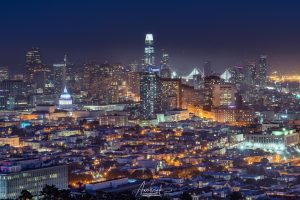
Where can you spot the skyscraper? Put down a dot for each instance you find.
(14, 94)
(207, 68)
(237, 76)
(150, 91)
(88, 74)
(41, 78)
(198, 81)
(262, 70)
(37, 74)
(33, 63)
(134, 84)
(250, 74)
(59, 76)
(165, 60)
(149, 58)
(209, 83)
(223, 95)
(171, 94)
(4, 73)
(165, 68)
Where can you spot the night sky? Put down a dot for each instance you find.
(226, 32)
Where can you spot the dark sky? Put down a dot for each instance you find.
(229, 32)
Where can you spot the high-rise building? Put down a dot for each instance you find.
(171, 94)
(116, 81)
(119, 84)
(198, 81)
(223, 95)
(19, 77)
(191, 96)
(237, 76)
(33, 63)
(14, 94)
(250, 74)
(4, 73)
(37, 74)
(209, 83)
(150, 91)
(41, 79)
(59, 76)
(149, 58)
(207, 68)
(105, 69)
(134, 67)
(165, 72)
(134, 84)
(90, 73)
(262, 69)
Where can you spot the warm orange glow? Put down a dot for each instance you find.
(199, 112)
(275, 158)
(28, 116)
(286, 78)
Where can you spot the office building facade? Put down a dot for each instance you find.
(13, 180)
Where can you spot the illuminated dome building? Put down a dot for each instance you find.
(65, 100)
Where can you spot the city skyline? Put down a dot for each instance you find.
(227, 34)
(164, 100)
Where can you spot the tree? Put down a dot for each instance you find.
(142, 174)
(185, 196)
(79, 141)
(236, 196)
(187, 172)
(98, 141)
(82, 122)
(64, 194)
(264, 161)
(50, 192)
(86, 196)
(239, 163)
(257, 170)
(116, 173)
(25, 195)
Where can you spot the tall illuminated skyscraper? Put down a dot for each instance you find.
(59, 76)
(209, 82)
(165, 71)
(37, 74)
(250, 73)
(171, 94)
(262, 70)
(33, 63)
(165, 60)
(149, 58)
(150, 93)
